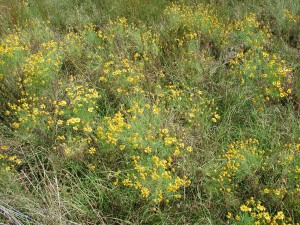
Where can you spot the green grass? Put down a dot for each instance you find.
(149, 112)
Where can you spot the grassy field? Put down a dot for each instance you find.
(150, 112)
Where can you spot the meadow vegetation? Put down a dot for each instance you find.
(150, 112)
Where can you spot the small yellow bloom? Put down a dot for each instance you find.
(229, 215)
(60, 137)
(147, 149)
(92, 167)
(67, 151)
(4, 147)
(15, 125)
(156, 110)
(164, 131)
(280, 215)
(62, 103)
(153, 209)
(103, 78)
(277, 192)
(189, 149)
(237, 218)
(116, 182)
(192, 115)
(145, 192)
(245, 208)
(261, 208)
(127, 182)
(88, 128)
(92, 150)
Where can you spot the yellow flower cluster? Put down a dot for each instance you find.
(63, 109)
(112, 129)
(156, 181)
(246, 164)
(151, 149)
(188, 103)
(254, 211)
(198, 21)
(62, 105)
(249, 31)
(74, 118)
(124, 73)
(7, 160)
(270, 77)
(267, 73)
(13, 46)
(41, 68)
(67, 120)
(290, 16)
(236, 156)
